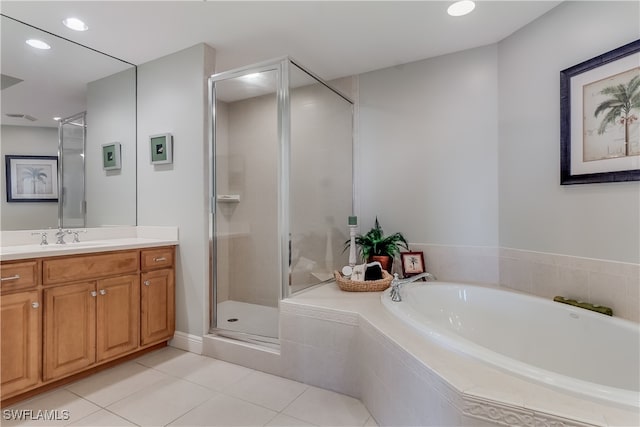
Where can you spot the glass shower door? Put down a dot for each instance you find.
(71, 206)
(247, 256)
(320, 181)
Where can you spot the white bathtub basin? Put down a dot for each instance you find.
(573, 349)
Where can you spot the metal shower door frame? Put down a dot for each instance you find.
(280, 65)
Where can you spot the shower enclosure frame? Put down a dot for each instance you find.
(61, 123)
(281, 67)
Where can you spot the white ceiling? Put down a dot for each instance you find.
(331, 38)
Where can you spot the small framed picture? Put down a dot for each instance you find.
(161, 148)
(111, 156)
(412, 263)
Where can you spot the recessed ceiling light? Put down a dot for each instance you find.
(75, 24)
(461, 8)
(57, 119)
(38, 44)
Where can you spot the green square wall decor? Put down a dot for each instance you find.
(111, 156)
(161, 148)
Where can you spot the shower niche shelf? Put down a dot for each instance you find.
(228, 198)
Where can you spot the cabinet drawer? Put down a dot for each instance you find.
(19, 275)
(60, 270)
(152, 259)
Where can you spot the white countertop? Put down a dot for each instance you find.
(19, 244)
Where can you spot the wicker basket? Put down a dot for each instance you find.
(366, 286)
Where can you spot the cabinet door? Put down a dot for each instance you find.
(157, 306)
(69, 329)
(117, 316)
(20, 342)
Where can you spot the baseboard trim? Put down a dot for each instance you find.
(187, 342)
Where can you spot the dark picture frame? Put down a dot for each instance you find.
(31, 178)
(590, 147)
(412, 263)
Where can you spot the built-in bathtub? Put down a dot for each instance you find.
(575, 350)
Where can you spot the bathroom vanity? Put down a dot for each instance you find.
(68, 310)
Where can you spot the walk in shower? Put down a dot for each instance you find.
(281, 191)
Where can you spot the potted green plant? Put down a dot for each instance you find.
(375, 246)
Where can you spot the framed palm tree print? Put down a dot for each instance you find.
(599, 118)
(412, 263)
(31, 178)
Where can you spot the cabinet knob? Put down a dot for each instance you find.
(160, 259)
(147, 282)
(14, 277)
(94, 293)
(35, 304)
(103, 292)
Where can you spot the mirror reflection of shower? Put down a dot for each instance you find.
(72, 132)
(282, 192)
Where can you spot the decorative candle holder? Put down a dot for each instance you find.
(353, 225)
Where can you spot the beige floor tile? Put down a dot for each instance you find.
(107, 387)
(206, 371)
(326, 408)
(161, 402)
(371, 422)
(286, 421)
(226, 411)
(102, 418)
(266, 390)
(62, 407)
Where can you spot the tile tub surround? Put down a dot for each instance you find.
(348, 342)
(603, 282)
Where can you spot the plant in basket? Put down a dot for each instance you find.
(375, 246)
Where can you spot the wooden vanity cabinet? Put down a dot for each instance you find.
(20, 320)
(89, 322)
(157, 295)
(117, 316)
(69, 329)
(64, 316)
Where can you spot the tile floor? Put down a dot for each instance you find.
(171, 387)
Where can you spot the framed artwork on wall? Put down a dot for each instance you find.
(600, 118)
(31, 178)
(412, 263)
(161, 148)
(111, 156)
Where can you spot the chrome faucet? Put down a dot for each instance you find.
(60, 236)
(397, 283)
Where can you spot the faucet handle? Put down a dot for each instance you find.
(43, 236)
(76, 238)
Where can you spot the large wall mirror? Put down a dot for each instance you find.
(93, 97)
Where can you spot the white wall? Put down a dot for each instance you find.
(172, 97)
(111, 117)
(536, 212)
(428, 140)
(34, 141)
